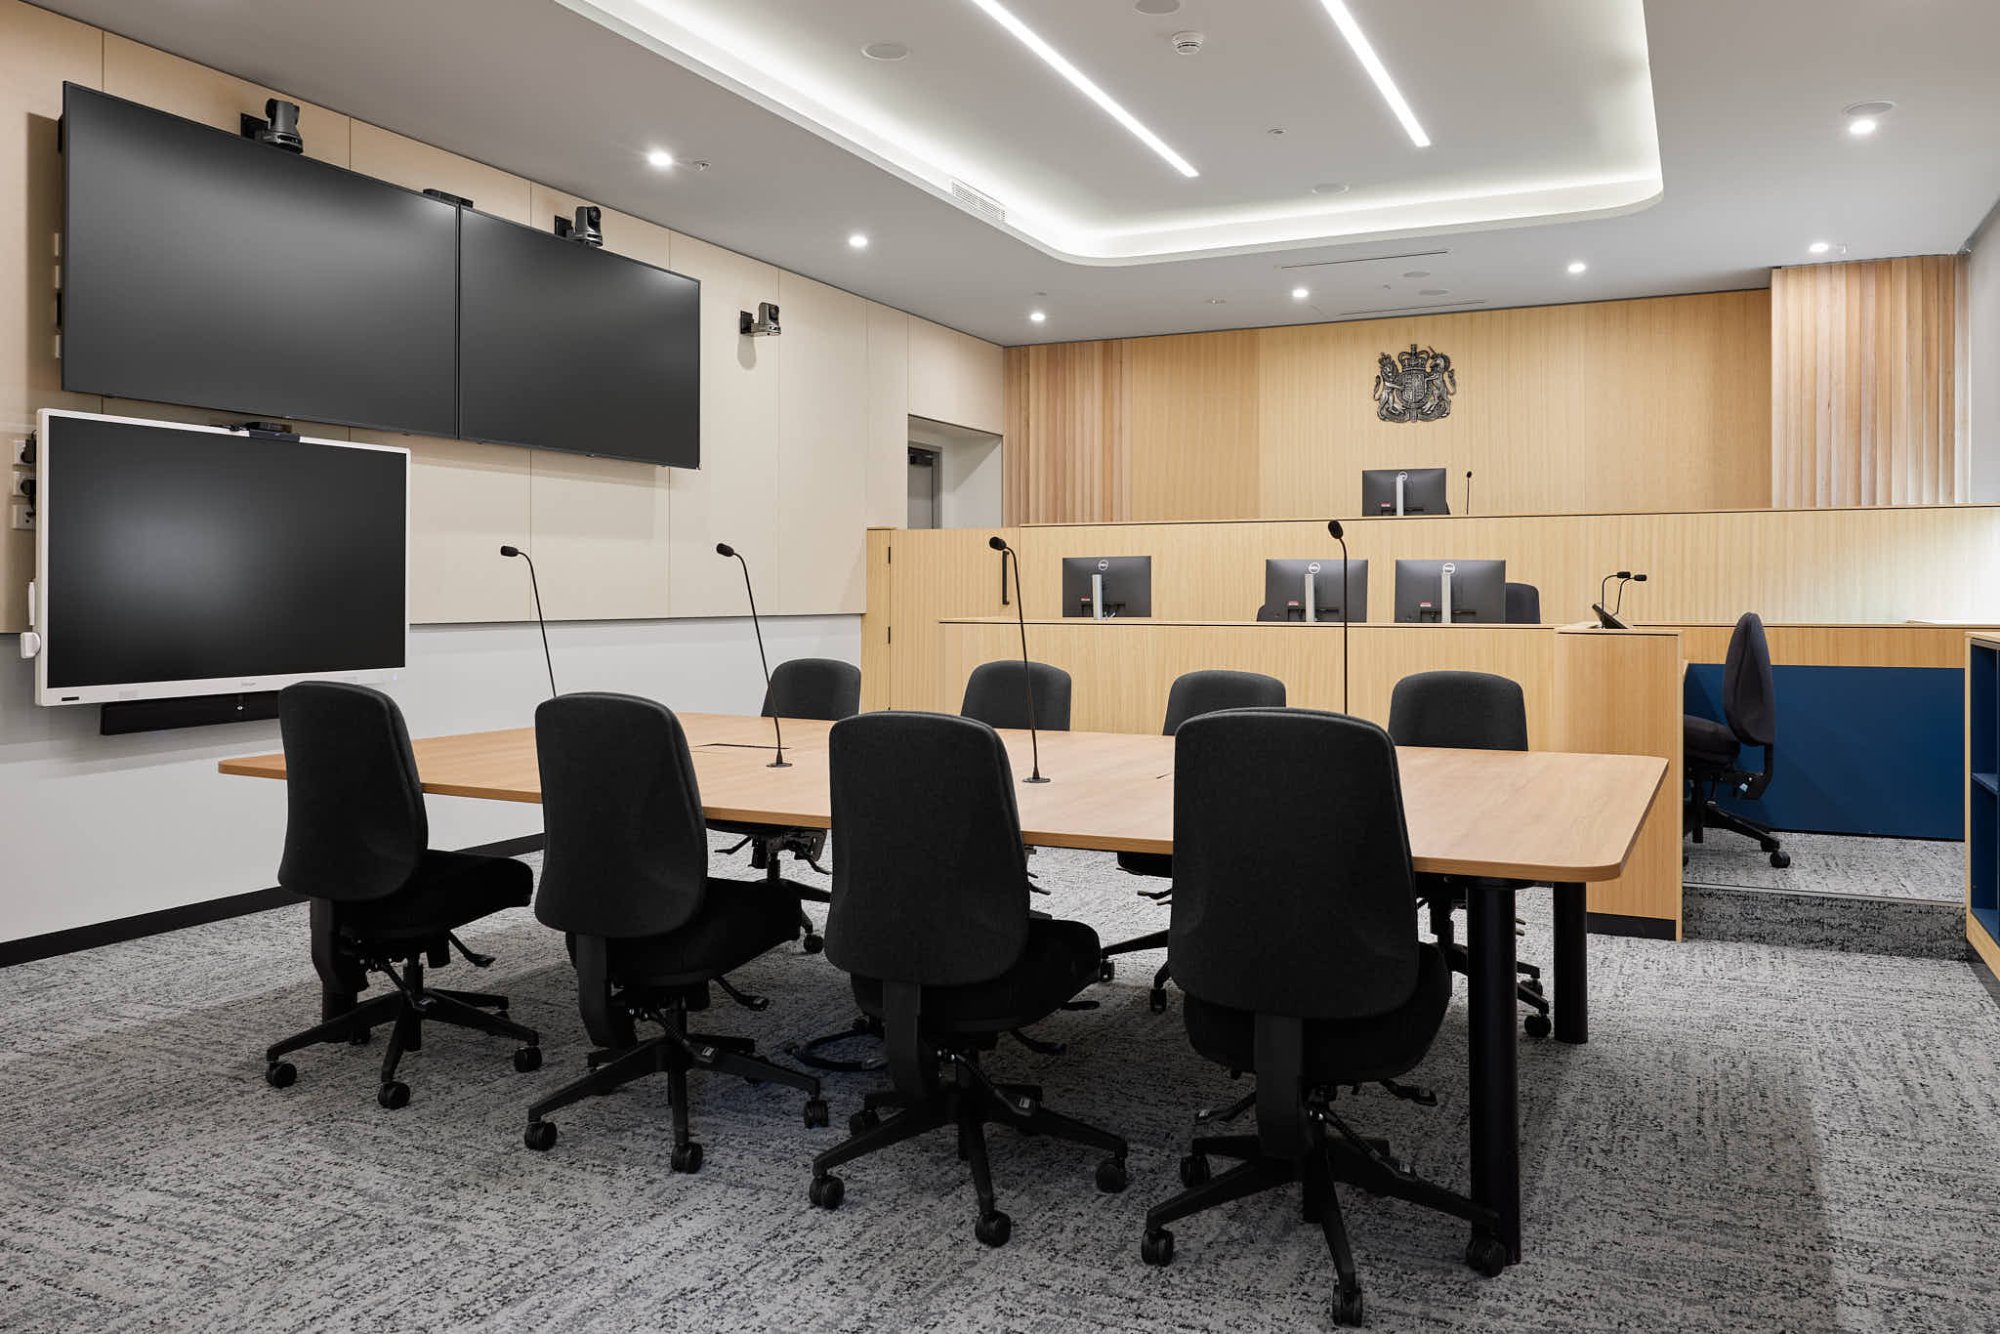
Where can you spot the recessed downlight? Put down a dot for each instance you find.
(1819, 247)
(885, 51)
(1301, 293)
(1418, 273)
(1434, 291)
(1332, 188)
(661, 158)
(1157, 6)
(1863, 126)
(1868, 109)
(1577, 266)
(1037, 316)
(858, 241)
(1217, 301)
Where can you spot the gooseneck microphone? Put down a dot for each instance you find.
(535, 584)
(1468, 490)
(1608, 620)
(1628, 579)
(724, 550)
(999, 544)
(1335, 531)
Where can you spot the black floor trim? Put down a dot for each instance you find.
(1618, 924)
(75, 938)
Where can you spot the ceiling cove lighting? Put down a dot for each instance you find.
(1056, 61)
(1364, 51)
(660, 158)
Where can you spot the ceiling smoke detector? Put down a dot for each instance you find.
(1187, 43)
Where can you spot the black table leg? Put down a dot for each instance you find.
(1572, 971)
(1495, 1110)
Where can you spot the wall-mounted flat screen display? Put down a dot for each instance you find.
(567, 346)
(191, 560)
(204, 268)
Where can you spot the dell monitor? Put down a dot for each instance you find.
(1396, 492)
(1461, 592)
(177, 560)
(1310, 590)
(1106, 586)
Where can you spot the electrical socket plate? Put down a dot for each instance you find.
(21, 459)
(24, 518)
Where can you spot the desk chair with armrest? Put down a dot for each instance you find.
(1304, 971)
(997, 694)
(1713, 752)
(822, 688)
(1193, 694)
(1465, 711)
(625, 878)
(930, 919)
(356, 840)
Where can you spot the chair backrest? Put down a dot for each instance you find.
(930, 882)
(997, 694)
(1524, 604)
(1196, 693)
(1747, 698)
(355, 826)
(1272, 611)
(814, 688)
(1460, 710)
(1258, 927)
(627, 848)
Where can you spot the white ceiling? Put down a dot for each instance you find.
(1748, 101)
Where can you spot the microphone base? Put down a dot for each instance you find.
(779, 764)
(1036, 778)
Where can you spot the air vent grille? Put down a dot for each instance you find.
(985, 205)
(1362, 259)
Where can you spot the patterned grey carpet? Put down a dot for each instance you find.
(1886, 868)
(1757, 1138)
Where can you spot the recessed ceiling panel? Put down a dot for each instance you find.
(1071, 116)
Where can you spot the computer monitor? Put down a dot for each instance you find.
(1102, 586)
(1309, 590)
(1478, 591)
(1422, 491)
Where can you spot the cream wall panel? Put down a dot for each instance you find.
(733, 496)
(955, 378)
(1194, 433)
(635, 238)
(601, 536)
(821, 484)
(391, 157)
(38, 51)
(888, 443)
(143, 74)
(466, 500)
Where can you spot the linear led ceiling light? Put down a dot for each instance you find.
(1364, 52)
(1056, 61)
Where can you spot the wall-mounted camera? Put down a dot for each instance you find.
(588, 229)
(764, 324)
(279, 128)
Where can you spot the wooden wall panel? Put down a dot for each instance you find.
(821, 487)
(955, 378)
(1867, 399)
(888, 444)
(1658, 404)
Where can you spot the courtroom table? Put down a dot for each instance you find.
(1529, 816)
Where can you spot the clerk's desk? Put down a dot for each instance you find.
(1564, 819)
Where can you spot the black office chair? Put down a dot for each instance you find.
(821, 688)
(1712, 752)
(924, 803)
(356, 841)
(625, 877)
(1306, 971)
(1524, 604)
(997, 694)
(1193, 694)
(1465, 711)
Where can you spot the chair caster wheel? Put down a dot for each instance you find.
(994, 1228)
(863, 1121)
(1347, 1308)
(1486, 1254)
(1106, 970)
(1538, 1025)
(281, 1074)
(528, 1058)
(827, 1191)
(1157, 1248)
(1781, 860)
(813, 944)
(1194, 1170)
(1158, 1001)
(685, 1157)
(815, 1113)
(359, 1037)
(541, 1136)
(393, 1094)
(1111, 1176)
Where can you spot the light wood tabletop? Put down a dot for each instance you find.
(1521, 815)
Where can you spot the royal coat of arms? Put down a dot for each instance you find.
(1419, 390)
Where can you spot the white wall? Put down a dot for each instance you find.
(97, 828)
(1983, 357)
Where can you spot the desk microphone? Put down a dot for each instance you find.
(1632, 579)
(1468, 490)
(724, 550)
(1334, 530)
(535, 584)
(1608, 620)
(999, 544)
